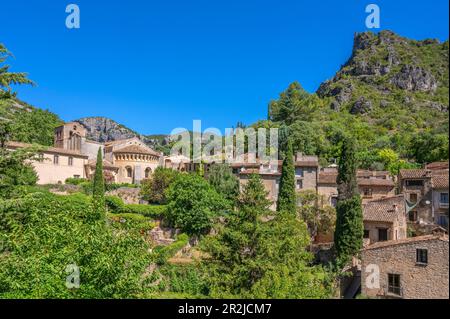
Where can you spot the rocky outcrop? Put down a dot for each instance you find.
(414, 78)
(385, 63)
(102, 129)
(361, 106)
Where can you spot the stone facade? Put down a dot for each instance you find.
(412, 268)
(73, 156)
(384, 220)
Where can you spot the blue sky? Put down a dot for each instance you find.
(157, 65)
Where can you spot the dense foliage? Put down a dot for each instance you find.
(153, 189)
(221, 177)
(286, 196)
(348, 237)
(43, 234)
(254, 257)
(192, 204)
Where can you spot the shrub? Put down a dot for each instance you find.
(153, 211)
(75, 181)
(114, 203)
(163, 253)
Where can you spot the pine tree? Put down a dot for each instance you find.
(98, 186)
(286, 195)
(348, 236)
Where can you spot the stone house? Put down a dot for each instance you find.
(410, 268)
(372, 185)
(55, 165)
(426, 191)
(74, 156)
(384, 220)
(306, 173)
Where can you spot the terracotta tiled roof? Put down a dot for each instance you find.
(383, 210)
(106, 164)
(306, 164)
(414, 173)
(406, 241)
(109, 143)
(327, 178)
(437, 165)
(375, 182)
(51, 150)
(439, 181)
(256, 171)
(136, 149)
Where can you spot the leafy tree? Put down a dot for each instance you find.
(286, 195)
(221, 177)
(43, 234)
(428, 147)
(15, 169)
(192, 204)
(392, 162)
(153, 189)
(319, 219)
(7, 78)
(255, 256)
(348, 236)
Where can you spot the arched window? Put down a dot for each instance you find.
(70, 161)
(148, 172)
(56, 159)
(129, 171)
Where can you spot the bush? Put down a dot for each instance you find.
(153, 211)
(163, 253)
(114, 203)
(75, 181)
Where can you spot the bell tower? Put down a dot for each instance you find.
(69, 136)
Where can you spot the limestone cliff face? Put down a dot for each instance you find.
(383, 65)
(102, 129)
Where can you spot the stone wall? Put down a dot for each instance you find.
(417, 281)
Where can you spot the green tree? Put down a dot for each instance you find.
(348, 237)
(15, 168)
(428, 147)
(286, 195)
(258, 256)
(98, 187)
(319, 219)
(192, 204)
(153, 189)
(7, 78)
(221, 177)
(43, 234)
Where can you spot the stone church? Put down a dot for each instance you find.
(74, 156)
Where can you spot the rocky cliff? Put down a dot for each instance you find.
(384, 67)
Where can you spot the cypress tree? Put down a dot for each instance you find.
(286, 194)
(348, 236)
(98, 186)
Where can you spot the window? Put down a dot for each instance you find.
(422, 256)
(70, 161)
(76, 176)
(299, 171)
(366, 233)
(394, 284)
(129, 171)
(299, 184)
(412, 216)
(56, 159)
(334, 201)
(443, 198)
(382, 234)
(148, 171)
(367, 192)
(413, 198)
(414, 182)
(41, 156)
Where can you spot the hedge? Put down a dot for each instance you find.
(163, 253)
(116, 205)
